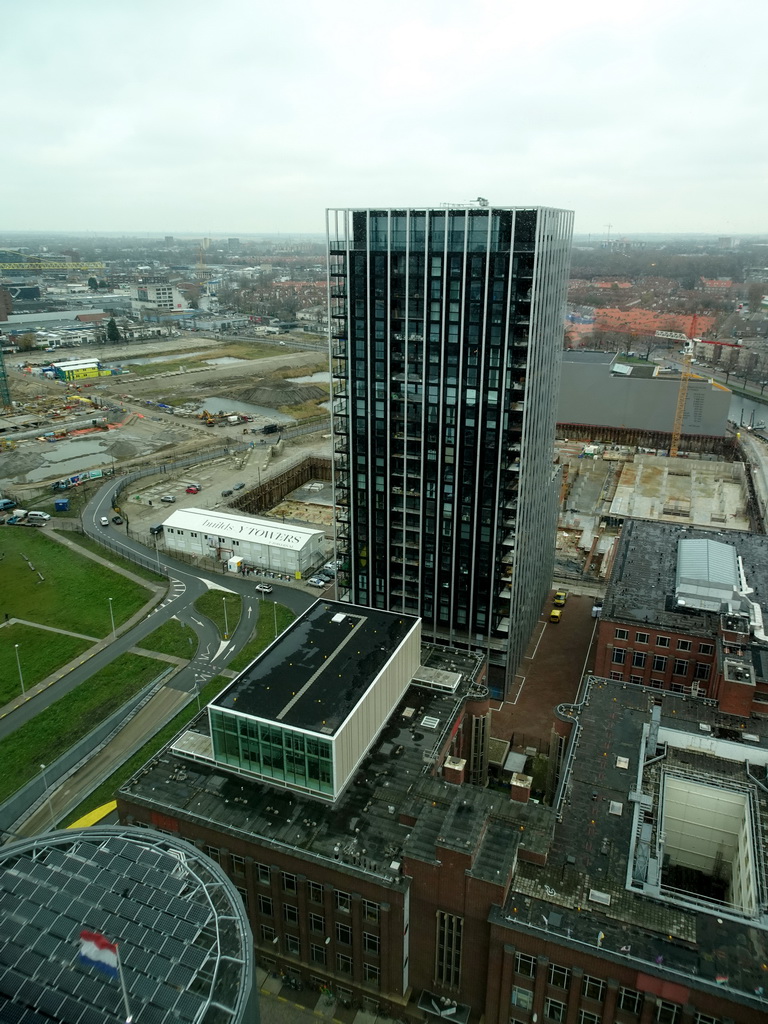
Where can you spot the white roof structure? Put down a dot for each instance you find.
(76, 364)
(707, 574)
(238, 527)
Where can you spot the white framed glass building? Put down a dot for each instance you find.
(446, 339)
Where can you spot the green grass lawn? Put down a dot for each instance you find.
(106, 791)
(56, 729)
(211, 604)
(40, 653)
(123, 563)
(263, 634)
(173, 637)
(75, 593)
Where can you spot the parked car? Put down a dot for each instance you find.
(14, 520)
(193, 489)
(168, 499)
(315, 581)
(263, 588)
(117, 520)
(238, 487)
(226, 494)
(154, 530)
(104, 521)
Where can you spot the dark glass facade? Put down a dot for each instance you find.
(446, 336)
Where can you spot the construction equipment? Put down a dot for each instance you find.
(685, 376)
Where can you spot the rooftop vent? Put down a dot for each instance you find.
(616, 808)
(600, 897)
(429, 722)
(622, 762)
(703, 727)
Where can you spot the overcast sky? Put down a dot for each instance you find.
(241, 116)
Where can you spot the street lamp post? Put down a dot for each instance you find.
(21, 677)
(226, 625)
(112, 617)
(157, 553)
(48, 796)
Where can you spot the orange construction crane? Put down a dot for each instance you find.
(682, 394)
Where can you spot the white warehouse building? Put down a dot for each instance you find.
(262, 543)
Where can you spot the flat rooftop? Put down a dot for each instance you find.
(241, 527)
(317, 671)
(582, 891)
(642, 586)
(685, 491)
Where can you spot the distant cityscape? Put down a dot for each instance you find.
(449, 538)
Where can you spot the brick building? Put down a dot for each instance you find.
(411, 886)
(684, 611)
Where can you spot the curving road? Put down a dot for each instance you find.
(211, 656)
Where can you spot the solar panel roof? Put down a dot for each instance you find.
(158, 898)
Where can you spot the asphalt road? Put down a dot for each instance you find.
(211, 656)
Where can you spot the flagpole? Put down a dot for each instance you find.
(128, 1014)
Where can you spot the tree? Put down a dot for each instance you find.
(93, 284)
(27, 342)
(755, 294)
(113, 334)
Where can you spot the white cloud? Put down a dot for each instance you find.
(245, 116)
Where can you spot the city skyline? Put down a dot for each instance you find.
(177, 119)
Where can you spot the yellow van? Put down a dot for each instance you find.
(554, 615)
(560, 598)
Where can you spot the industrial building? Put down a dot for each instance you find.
(258, 543)
(600, 390)
(446, 336)
(684, 611)
(183, 940)
(419, 891)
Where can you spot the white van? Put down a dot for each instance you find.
(38, 517)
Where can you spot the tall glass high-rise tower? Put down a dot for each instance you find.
(446, 335)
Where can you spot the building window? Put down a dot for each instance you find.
(618, 676)
(637, 680)
(701, 671)
(317, 954)
(267, 933)
(630, 1000)
(621, 634)
(238, 864)
(559, 977)
(683, 645)
(638, 659)
(343, 901)
(371, 943)
(343, 963)
(619, 656)
(592, 988)
(522, 997)
(585, 1017)
(263, 873)
(525, 965)
(292, 945)
(703, 1018)
(289, 882)
(666, 1012)
(290, 914)
(642, 638)
(314, 892)
(371, 975)
(344, 934)
(680, 668)
(659, 663)
(243, 896)
(213, 853)
(448, 949)
(265, 905)
(706, 649)
(662, 641)
(316, 923)
(554, 1010)
(370, 911)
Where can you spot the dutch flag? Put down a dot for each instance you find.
(99, 952)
